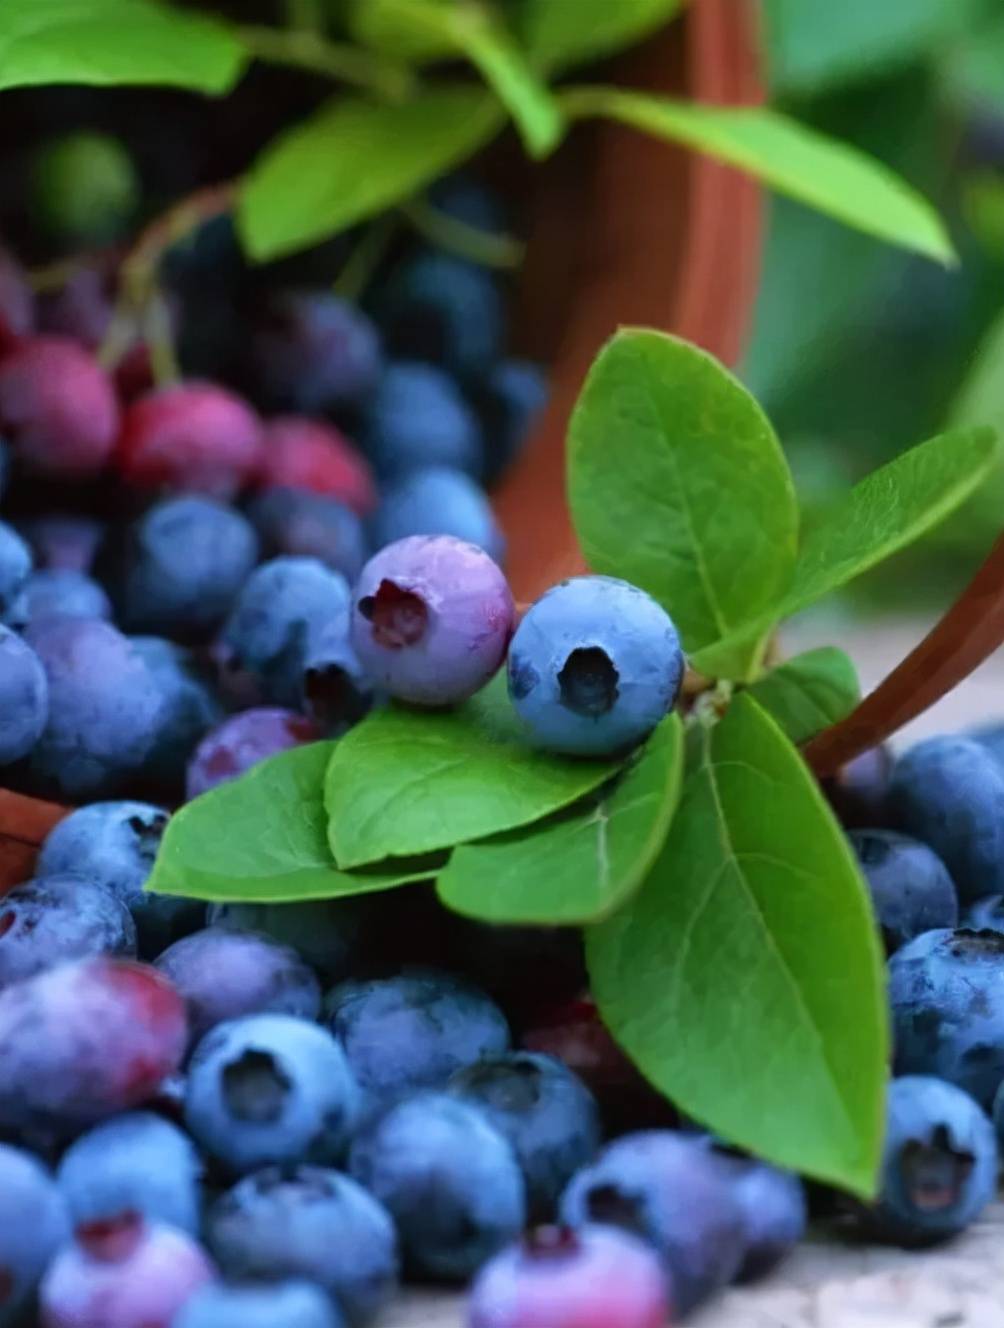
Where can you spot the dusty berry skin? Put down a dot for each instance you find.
(57, 1075)
(34, 1223)
(593, 666)
(282, 609)
(438, 500)
(122, 1274)
(510, 399)
(327, 933)
(431, 619)
(949, 793)
(64, 594)
(224, 974)
(596, 1277)
(190, 708)
(63, 542)
(15, 569)
(310, 525)
(270, 1089)
(448, 1178)
(58, 408)
(104, 709)
(53, 919)
(196, 438)
(311, 1223)
(946, 989)
(24, 697)
(17, 304)
(987, 914)
(544, 1110)
(314, 456)
(939, 1164)
(910, 886)
(418, 417)
(178, 569)
(413, 1031)
(669, 1189)
(286, 1305)
(337, 691)
(135, 1163)
(314, 352)
(240, 742)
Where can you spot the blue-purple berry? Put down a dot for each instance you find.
(294, 1304)
(419, 417)
(296, 523)
(63, 593)
(53, 919)
(190, 707)
(437, 500)
(34, 1224)
(314, 352)
(24, 697)
(328, 933)
(337, 691)
(15, 568)
(911, 889)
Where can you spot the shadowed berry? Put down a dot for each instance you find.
(510, 399)
(34, 1224)
(17, 304)
(53, 919)
(910, 886)
(418, 417)
(987, 914)
(438, 307)
(437, 500)
(313, 352)
(190, 707)
(314, 456)
(64, 594)
(859, 791)
(15, 569)
(284, 1305)
(240, 742)
(311, 525)
(62, 542)
(327, 933)
(337, 691)
(24, 697)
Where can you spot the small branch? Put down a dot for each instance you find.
(457, 237)
(304, 16)
(335, 60)
(361, 265)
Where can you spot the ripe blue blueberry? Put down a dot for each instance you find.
(511, 397)
(545, 1111)
(15, 568)
(949, 792)
(60, 592)
(296, 523)
(34, 1224)
(947, 994)
(190, 707)
(24, 697)
(413, 1031)
(310, 1223)
(669, 1189)
(431, 619)
(910, 886)
(437, 500)
(593, 667)
(284, 1305)
(135, 1163)
(595, 1277)
(986, 914)
(313, 352)
(441, 308)
(418, 417)
(224, 974)
(53, 919)
(448, 1178)
(773, 1206)
(270, 1088)
(327, 933)
(337, 691)
(242, 741)
(939, 1165)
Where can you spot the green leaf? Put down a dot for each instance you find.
(263, 838)
(558, 34)
(821, 171)
(678, 484)
(407, 781)
(580, 865)
(107, 42)
(980, 399)
(810, 692)
(745, 979)
(356, 158)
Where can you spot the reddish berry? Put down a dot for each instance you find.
(17, 313)
(306, 454)
(241, 741)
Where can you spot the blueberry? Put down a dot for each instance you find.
(595, 1277)
(65, 594)
(61, 542)
(911, 889)
(15, 568)
(593, 667)
(281, 611)
(17, 303)
(437, 500)
(314, 352)
(134, 1163)
(669, 1189)
(190, 707)
(310, 525)
(125, 1273)
(986, 914)
(413, 1031)
(448, 1178)
(316, 457)
(177, 570)
(418, 417)
(240, 742)
(284, 1305)
(949, 793)
(510, 399)
(337, 691)
(223, 974)
(103, 708)
(327, 933)
(270, 1088)
(545, 1111)
(470, 202)
(55, 918)
(947, 994)
(431, 619)
(34, 1223)
(115, 844)
(939, 1165)
(991, 736)
(441, 308)
(24, 697)
(773, 1206)
(310, 1223)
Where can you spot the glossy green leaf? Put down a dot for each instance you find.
(980, 399)
(395, 28)
(581, 864)
(746, 979)
(107, 42)
(561, 33)
(356, 158)
(810, 692)
(678, 484)
(829, 175)
(263, 838)
(409, 781)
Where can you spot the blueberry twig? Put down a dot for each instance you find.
(303, 49)
(456, 236)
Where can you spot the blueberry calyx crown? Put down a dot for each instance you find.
(935, 1173)
(588, 682)
(399, 617)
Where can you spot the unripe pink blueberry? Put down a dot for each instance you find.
(300, 453)
(240, 742)
(431, 619)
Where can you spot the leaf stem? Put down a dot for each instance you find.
(302, 49)
(304, 16)
(361, 265)
(457, 237)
